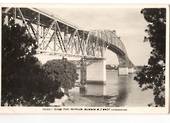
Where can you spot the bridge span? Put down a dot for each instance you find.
(59, 38)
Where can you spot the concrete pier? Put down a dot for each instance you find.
(96, 68)
(131, 70)
(123, 70)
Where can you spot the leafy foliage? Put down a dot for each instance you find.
(62, 72)
(152, 76)
(23, 80)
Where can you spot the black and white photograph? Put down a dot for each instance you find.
(85, 57)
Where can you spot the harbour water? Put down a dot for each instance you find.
(119, 91)
(126, 90)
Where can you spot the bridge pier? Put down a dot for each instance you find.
(96, 72)
(83, 72)
(95, 75)
(123, 70)
(131, 70)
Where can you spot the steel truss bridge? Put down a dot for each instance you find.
(57, 37)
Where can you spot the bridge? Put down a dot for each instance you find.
(60, 38)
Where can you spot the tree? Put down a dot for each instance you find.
(152, 76)
(62, 72)
(23, 80)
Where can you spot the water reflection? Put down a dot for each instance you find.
(123, 89)
(119, 91)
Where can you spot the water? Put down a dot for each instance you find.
(124, 90)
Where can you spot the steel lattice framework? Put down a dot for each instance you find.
(58, 37)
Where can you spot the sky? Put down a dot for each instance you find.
(128, 22)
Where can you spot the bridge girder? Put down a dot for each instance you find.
(57, 37)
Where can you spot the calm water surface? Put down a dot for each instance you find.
(125, 90)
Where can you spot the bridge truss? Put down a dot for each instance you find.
(57, 37)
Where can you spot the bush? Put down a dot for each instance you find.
(62, 72)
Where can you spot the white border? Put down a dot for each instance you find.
(153, 110)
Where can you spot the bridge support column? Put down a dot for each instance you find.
(96, 78)
(123, 70)
(83, 73)
(96, 71)
(131, 70)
